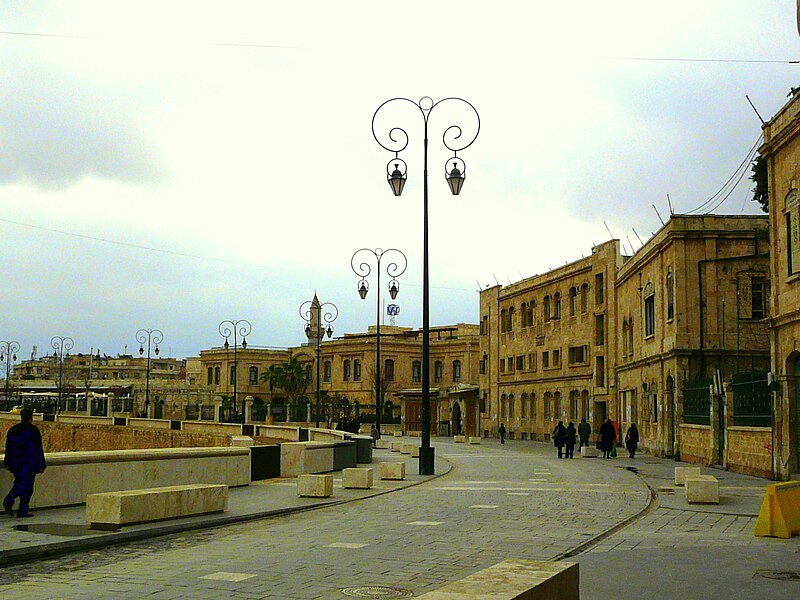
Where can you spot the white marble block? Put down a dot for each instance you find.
(407, 448)
(702, 489)
(357, 478)
(315, 486)
(474, 440)
(392, 470)
(459, 439)
(681, 473)
(589, 452)
(109, 510)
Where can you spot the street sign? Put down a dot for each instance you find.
(393, 310)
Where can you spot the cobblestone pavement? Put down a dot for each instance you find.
(498, 502)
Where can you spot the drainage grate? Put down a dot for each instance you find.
(779, 575)
(377, 591)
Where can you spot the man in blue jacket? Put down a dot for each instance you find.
(24, 457)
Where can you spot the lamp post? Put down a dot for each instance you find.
(61, 346)
(235, 328)
(152, 337)
(454, 138)
(8, 353)
(360, 263)
(314, 313)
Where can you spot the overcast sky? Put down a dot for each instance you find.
(173, 164)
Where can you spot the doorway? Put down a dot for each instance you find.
(456, 423)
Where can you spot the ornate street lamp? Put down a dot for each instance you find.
(314, 314)
(61, 346)
(152, 337)
(242, 328)
(8, 353)
(396, 266)
(395, 139)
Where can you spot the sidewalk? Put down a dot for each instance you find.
(61, 530)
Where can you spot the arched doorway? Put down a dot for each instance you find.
(794, 395)
(456, 422)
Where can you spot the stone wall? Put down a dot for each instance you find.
(695, 443)
(70, 437)
(749, 450)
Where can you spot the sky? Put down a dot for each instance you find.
(170, 165)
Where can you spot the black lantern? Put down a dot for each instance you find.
(397, 180)
(455, 179)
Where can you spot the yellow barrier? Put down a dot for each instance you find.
(780, 511)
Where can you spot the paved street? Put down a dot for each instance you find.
(497, 502)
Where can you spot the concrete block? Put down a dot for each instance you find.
(242, 441)
(357, 478)
(396, 446)
(681, 473)
(392, 470)
(474, 440)
(315, 486)
(110, 510)
(702, 489)
(382, 444)
(415, 452)
(407, 448)
(515, 580)
(459, 439)
(589, 452)
(398, 434)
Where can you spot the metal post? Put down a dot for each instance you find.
(329, 315)
(236, 328)
(8, 350)
(61, 345)
(149, 336)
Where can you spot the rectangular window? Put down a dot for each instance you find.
(532, 361)
(482, 365)
(326, 370)
(556, 358)
(520, 363)
(758, 297)
(600, 330)
(600, 371)
(485, 325)
(510, 363)
(502, 365)
(357, 370)
(456, 370)
(598, 288)
(578, 355)
(545, 359)
(437, 371)
(416, 371)
(650, 316)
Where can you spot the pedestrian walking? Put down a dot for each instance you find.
(632, 440)
(24, 457)
(570, 437)
(502, 433)
(607, 437)
(584, 432)
(559, 437)
(375, 435)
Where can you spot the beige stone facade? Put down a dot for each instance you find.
(630, 338)
(781, 149)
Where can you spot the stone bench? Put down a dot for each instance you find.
(681, 473)
(459, 439)
(392, 470)
(515, 580)
(589, 452)
(702, 489)
(396, 446)
(111, 510)
(382, 444)
(398, 434)
(315, 486)
(357, 478)
(407, 448)
(474, 440)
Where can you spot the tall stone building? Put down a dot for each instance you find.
(638, 339)
(781, 150)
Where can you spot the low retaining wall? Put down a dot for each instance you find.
(749, 450)
(71, 476)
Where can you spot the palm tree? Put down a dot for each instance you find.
(272, 375)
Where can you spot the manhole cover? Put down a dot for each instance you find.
(377, 591)
(780, 575)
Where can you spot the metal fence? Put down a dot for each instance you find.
(752, 400)
(697, 402)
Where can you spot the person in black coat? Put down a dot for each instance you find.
(584, 431)
(559, 437)
(501, 431)
(24, 457)
(570, 437)
(632, 440)
(607, 437)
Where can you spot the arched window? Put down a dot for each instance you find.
(388, 370)
(503, 403)
(416, 371)
(624, 337)
(437, 371)
(346, 370)
(216, 375)
(326, 369)
(511, 406)
(253, 376)
(573, 404)
(557, 305)
(210, 375)
(573, 301)
(456, 370)
(308, 373)
(532, 313)
(503, 317)
(584, 297)
(670, 293)
(511, 319)
(546, 305)
(556, 406)
(585, 404)
(548, 400)
(523, 406)
(356, 370)
(532, 406)
(630, 336)
(649, 310)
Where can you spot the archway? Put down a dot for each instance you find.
(456, 422)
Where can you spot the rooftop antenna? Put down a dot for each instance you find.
(748, 97)
(608, 230)
(509, 279)
(521, 276)
(672, 212)
(629, 244)
(659, 216)
(637, 236)
(479, 285)
(495, 279)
